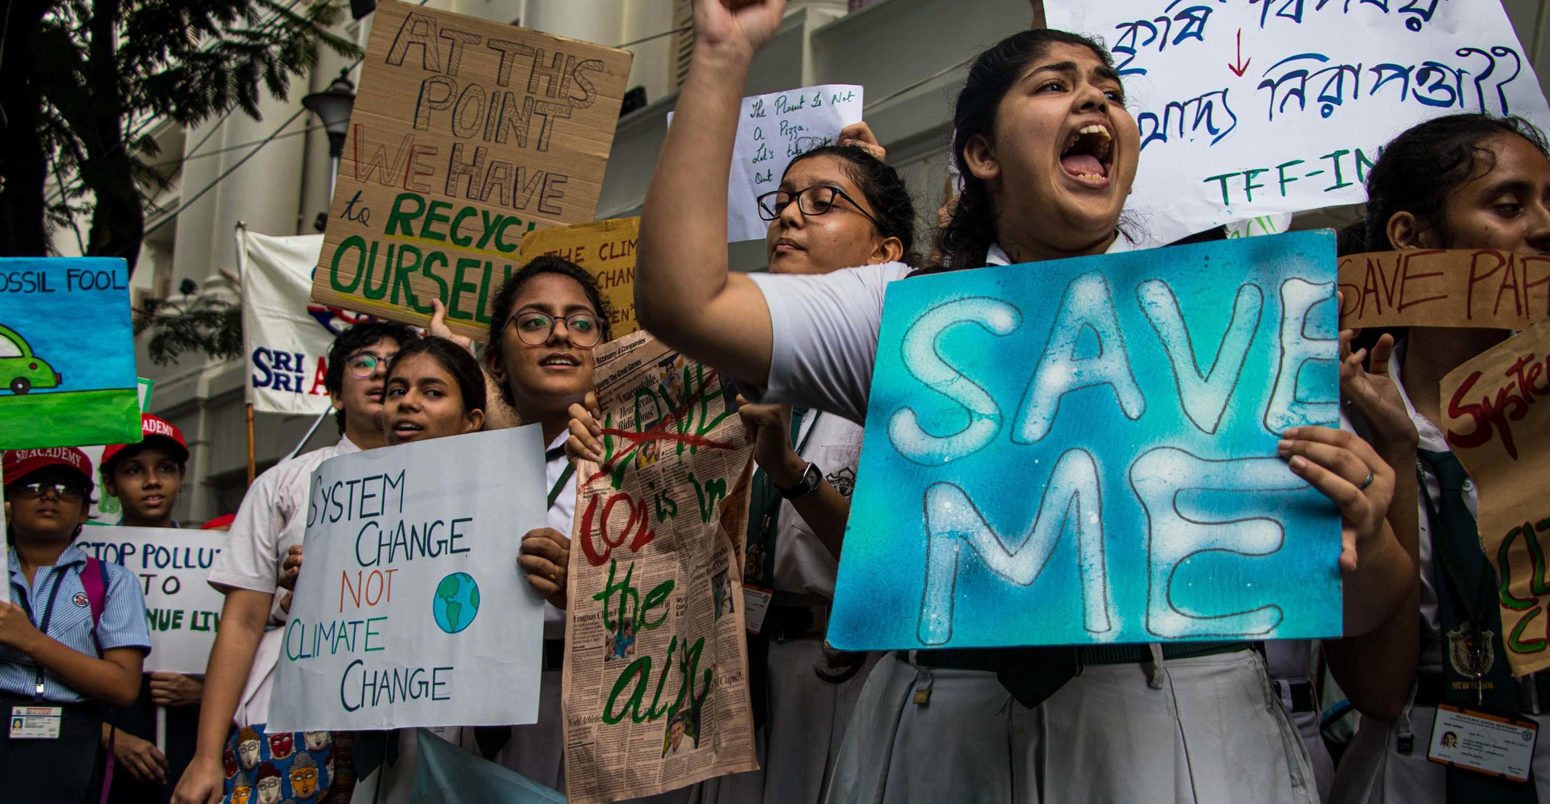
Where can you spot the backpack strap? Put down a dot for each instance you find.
(95, 580)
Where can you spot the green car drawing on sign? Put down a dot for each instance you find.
(21, 370)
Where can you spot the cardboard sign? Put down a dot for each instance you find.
(182, 609)
(607, 250)
(656, 668)
(1084, 451)
(410, 610)
(466, 135)
(772, 130)
(67, 353)
(286, 338)
(1496, 418)
(1444, 288)
(1271, 106)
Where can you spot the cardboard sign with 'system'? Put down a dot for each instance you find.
(466, 135)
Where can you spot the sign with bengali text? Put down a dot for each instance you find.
(1255, 107)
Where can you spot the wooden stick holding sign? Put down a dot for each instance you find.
(466, 135)
(1444, 288)
(1496, 418)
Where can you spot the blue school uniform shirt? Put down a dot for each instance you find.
(122, 625)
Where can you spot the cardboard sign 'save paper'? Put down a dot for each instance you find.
(466, 135)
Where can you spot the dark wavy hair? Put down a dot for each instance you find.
(354, 339)
(967, 237)
(1421, 167)
(884, 189)
(506, 297)
(454, 360)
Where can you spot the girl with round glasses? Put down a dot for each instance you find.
(1048, 153)
(544, 322)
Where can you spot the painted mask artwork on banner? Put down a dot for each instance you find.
(1090, 445)
(1496, 418)
(173, 566)
(67, 353)
(466, 134)
(410, 611)
(655, 688)
(1256, 107)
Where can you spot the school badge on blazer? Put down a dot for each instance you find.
(1471, 652)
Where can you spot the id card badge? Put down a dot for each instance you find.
(36, 722)
(1494, 745)
(756, 602)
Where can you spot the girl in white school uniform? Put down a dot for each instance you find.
(1048, 154)
(1462, 181)
(837, 206)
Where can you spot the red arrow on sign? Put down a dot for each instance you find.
(1242, 66)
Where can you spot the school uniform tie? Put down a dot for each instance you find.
(1474, 668)
(759, 569)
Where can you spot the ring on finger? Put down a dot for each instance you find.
(1367, 481)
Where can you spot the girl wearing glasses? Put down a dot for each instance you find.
(837, 206)
(544, 322)
(59, 660)
(1048, 154)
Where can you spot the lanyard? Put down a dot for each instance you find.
(554, 493)
(764, 511)
(48, 614)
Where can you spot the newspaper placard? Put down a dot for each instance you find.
(1257, 107)
(181, 607)
(656, 669)
(1496, 418)
(1483, 287)
(411, 611)
(607, 250)
(466, 135)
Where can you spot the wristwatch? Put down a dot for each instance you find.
(811, 479)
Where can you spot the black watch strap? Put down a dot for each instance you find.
(812, 477)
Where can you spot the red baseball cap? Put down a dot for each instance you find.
(153, 427)
(19, 463)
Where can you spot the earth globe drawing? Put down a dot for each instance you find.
(456, 602)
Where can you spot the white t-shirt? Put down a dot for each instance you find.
(270, 520)
(824, 333)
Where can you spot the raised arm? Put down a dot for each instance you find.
(684, 293)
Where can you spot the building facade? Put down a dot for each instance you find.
(911, 55)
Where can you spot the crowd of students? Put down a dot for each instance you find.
(1047, 153)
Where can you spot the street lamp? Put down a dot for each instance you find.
(333, 106)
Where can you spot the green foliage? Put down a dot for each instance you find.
(108, 70)
(205, 325)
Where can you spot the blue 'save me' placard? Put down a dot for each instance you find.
(1084, 451)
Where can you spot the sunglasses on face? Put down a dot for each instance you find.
(65, 492)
